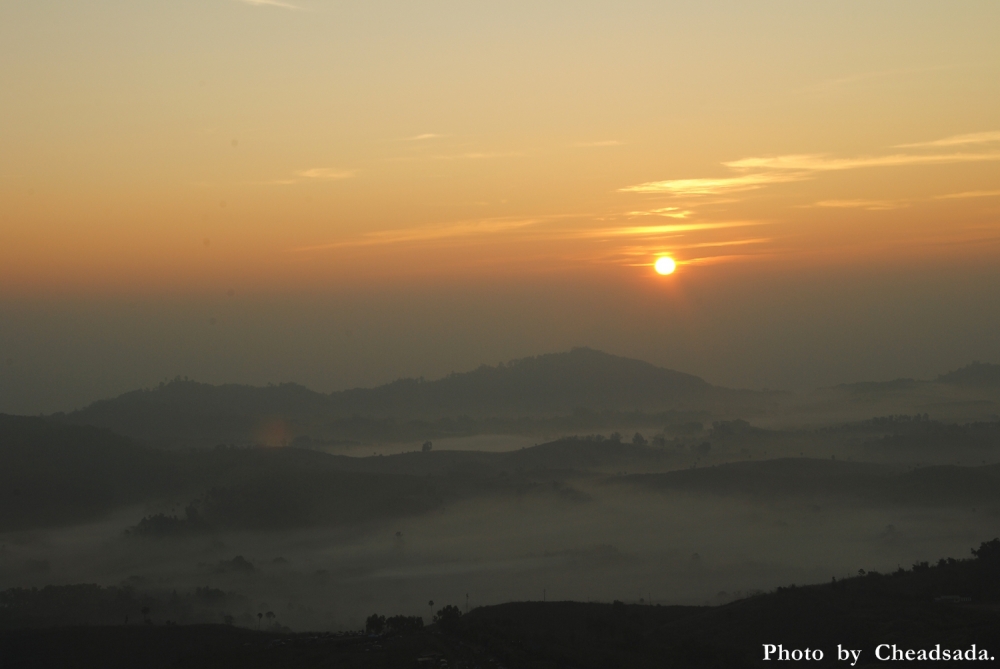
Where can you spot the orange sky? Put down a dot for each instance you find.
(171, 151)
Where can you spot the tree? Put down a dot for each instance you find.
(638, 439)
(259, 616)
(988, 551)
(448, 616)
(270, 616)
(615, 437)
(375, 624)
(427, 447)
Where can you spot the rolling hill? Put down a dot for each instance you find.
(189, 413)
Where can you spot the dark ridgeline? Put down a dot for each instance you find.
(951, 606)
(56, 474)
(53, 474)
(545, 386)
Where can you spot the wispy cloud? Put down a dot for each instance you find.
(312, 174)
(733, 242)
(870, 205)
(840, 83)
(470, 155)
(659, 230)
(713, 186)
(971, 193)
(480, 155)
(760, 171)
(423, 137)
(325, 174)
(956, 140)
(670, 212)
(464, 229)
(609, 142)
(271, 3)
(818, 162)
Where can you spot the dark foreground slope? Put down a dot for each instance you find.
(953, 606)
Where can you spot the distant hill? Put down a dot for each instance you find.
(810, 478)
(543, 386)
(556, 383)
(976, 374)
(52, 474)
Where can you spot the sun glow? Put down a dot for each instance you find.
(665, 265)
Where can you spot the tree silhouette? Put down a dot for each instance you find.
(259, 616)
(447, 616)
(427, 446)
(375, 624)
(270, 617)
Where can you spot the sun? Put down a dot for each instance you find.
(665, 265)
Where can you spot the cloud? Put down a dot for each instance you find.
(325, 174)
(471, 155)
(819, 162)
(429, 233)
(956, 140)
(840, 83)
(713, 186)
(659, 230)
(670, 212)
(425, 136)
(735, 242)
(271, 3)
(971, 193)
(870, 205)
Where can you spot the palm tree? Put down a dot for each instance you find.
(259, 616)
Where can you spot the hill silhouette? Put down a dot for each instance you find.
(815, 478)
(975, 374)
(946, 608)
(53, 474)
(557, 384)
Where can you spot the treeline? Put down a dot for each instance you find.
(88, 604)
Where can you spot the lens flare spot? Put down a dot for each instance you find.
(665, 265)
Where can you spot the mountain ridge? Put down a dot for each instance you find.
(555, 384)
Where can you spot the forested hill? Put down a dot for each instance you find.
(556, 383)
(546, 385)
(976, 374)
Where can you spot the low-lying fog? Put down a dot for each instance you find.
(485, 443)
(594, 541)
